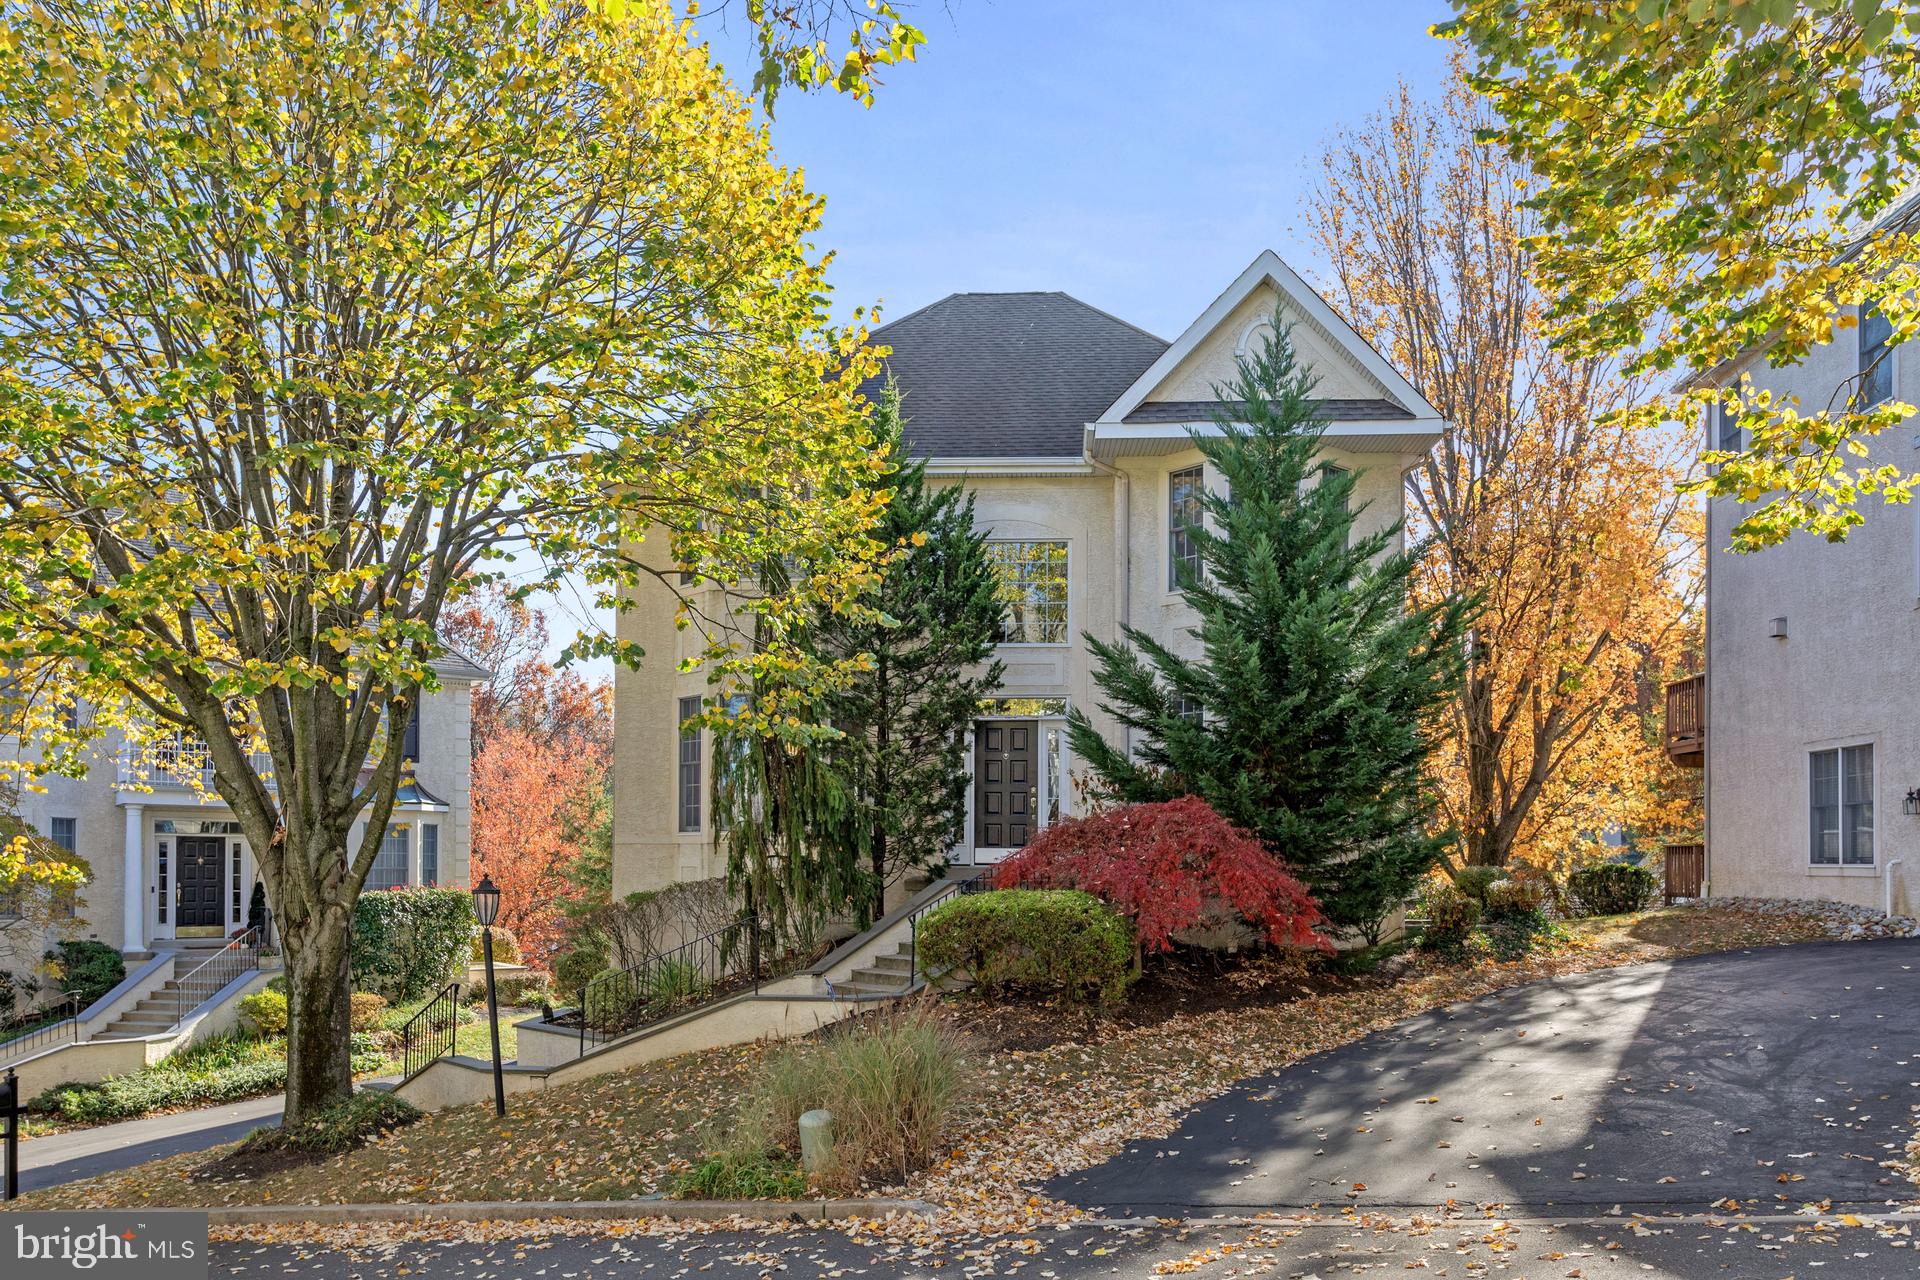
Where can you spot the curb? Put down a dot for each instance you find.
(576, 1210)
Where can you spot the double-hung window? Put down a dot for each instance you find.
(1876, 358)
(64, 832)
(689, 794)
(1840, 806)
(1183, 517)
(1032, 589)
(390, 864)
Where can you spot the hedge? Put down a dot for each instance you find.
(1612, 888)
(408, 943)
(1051, 939)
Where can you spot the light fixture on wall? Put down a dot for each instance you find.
(1911, 805)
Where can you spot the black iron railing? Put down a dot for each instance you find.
(719, 963)
(979, 882)
(210, 976)
(430, 1033)
(55, 1024)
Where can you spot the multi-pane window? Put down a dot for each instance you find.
(390, 864)
(1840, 806)
(689, 766)
(65, 833)
(429, 853)
(1188, 708)
(1033, 591)
(1727, 434)
(1876, 358)
(1183, 516)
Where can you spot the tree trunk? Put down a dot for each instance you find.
(319, 1013)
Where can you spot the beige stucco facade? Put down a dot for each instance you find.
(1110, 506)
(1840, 675)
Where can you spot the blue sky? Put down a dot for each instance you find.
(1134, 154)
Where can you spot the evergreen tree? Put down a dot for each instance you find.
(1305, 716)
(904, 720)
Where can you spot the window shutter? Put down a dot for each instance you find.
(410, 741)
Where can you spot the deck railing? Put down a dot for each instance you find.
(1687, 721)
(430, 1034)
(55, 1024)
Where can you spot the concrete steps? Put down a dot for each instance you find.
(157, 1010)
(888, 975)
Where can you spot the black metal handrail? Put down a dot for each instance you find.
(430, 1033)
(242, 955)
(979, 882)
(55, 1024)
(624, 1000)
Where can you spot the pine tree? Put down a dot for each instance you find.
(1305, 716)
(904, 720)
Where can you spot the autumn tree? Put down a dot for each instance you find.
(1302, 712)
(497, 628)
(927, 653)
(1718, 177)
(315, 313)
(1542, 500)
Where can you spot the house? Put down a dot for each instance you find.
(169, 862)
(1072, 429)
(1803, 719)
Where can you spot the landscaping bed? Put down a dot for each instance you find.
(1033, 1112)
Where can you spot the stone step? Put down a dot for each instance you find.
(857, 988)
(882, 979)
(894, 963)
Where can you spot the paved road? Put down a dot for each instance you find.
(1778, 1077)
(82, 1153)
(1689, 1250)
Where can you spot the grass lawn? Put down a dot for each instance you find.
(1037, 1107)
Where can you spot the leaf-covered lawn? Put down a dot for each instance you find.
(1032, 1113)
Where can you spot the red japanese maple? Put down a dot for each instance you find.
(1172, 866)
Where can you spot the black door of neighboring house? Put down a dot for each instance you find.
(1006, 783)
(197, 896)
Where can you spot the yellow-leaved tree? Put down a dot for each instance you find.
(314, 313)
(1560, 519)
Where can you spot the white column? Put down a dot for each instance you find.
(414, 845)
(133, 892)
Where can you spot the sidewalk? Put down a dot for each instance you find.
(82, 1153)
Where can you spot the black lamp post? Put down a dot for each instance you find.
(486, 909)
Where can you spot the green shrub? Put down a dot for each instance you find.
(1048, 939)
(1612, 888)
(673, 981)
(1452, 917)
(408, 943)
(368, 1114)
(523, 990)
(88, 967)
(265, 1012)
(588, 955)
(368, 1011)
(221, 1069)
(1508, 898)
(742, 1175)
(890, 1081)
(1476, 881)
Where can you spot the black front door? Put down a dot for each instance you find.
(1006, 787)
(197, 897)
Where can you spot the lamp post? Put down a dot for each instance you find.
(486, 909)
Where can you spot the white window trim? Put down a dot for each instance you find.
(1171, 592)
(1067, 544)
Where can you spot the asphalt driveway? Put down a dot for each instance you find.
(1778, 1077)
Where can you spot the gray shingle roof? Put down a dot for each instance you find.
(1009, 375)
(1331, 410)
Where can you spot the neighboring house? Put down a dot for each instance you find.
(169, 862)
(1804, 719)
(1072, 429)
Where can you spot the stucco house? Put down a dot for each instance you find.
(1802, 718)
(170, 865)
(1071, 427)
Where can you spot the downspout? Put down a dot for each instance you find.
(1887, 878)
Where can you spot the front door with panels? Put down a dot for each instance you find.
(1006, 786)
(199, 881)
